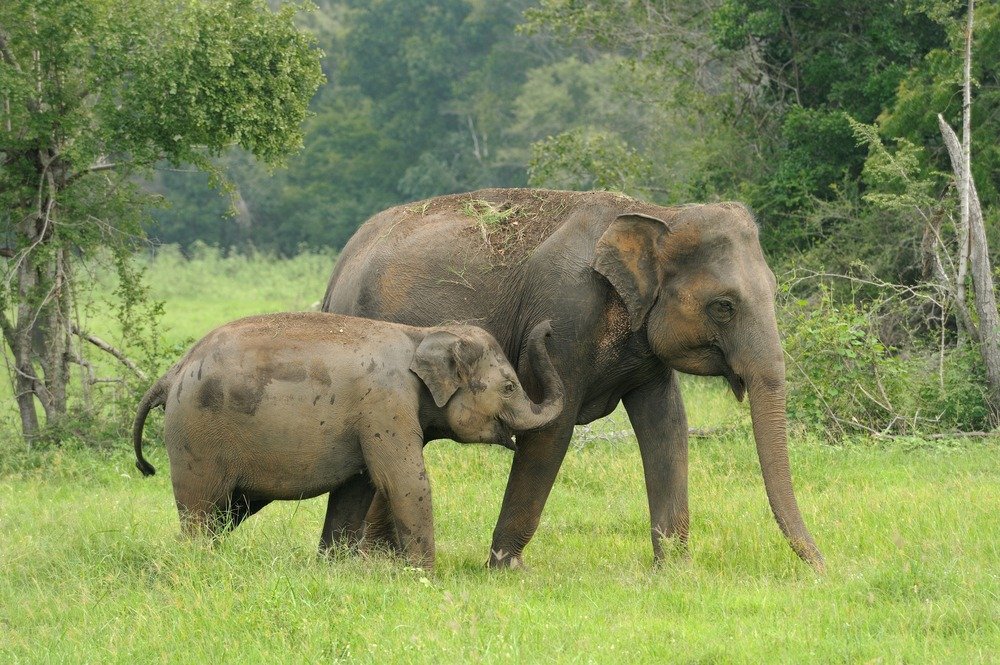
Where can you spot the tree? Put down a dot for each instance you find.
(418, 103)
(95, 91)
(954, 254)
(973, 250)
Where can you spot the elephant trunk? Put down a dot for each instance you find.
(767, 409)
(523, 414)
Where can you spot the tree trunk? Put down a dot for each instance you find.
(24, 370)
(982, 277)
(40, 334)
(972, 221)
(54, 337)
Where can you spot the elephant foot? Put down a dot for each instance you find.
(337, 550)
(672, 547)
(503, 560)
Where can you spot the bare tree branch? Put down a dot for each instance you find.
(963, 172)
(972, 216)
(75, 358)
(104, 346)
(93, 168)
(7, 328)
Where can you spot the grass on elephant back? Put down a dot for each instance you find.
(93, 568)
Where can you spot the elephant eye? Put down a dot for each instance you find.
(508, 388)
(721, 309)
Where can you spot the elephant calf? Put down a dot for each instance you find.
(291, 406)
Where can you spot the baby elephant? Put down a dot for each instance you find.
(291, 406)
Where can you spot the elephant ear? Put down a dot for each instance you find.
(443, 361)
(628, 255)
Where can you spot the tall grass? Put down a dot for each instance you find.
(198, 294)
(209, 289)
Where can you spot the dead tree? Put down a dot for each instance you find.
(973, 250)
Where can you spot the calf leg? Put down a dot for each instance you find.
(398, 472)
(345, 513)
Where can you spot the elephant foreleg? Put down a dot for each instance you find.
(400, 475)
(657, 415)
(536, 462)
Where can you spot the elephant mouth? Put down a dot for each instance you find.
(736, 382)
(505, 437)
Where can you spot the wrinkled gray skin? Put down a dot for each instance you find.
(290, 406)
(634, 291)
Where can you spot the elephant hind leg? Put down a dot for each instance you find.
(213, 517)
(240, 507)
(201, 517)
(345, 513)
(203, 507)
(380, 532)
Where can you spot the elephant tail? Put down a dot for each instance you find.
(155, 396)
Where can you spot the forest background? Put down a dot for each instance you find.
(824, 117)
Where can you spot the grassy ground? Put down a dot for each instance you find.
(93, 570)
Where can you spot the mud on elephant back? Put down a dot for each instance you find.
(635, 292)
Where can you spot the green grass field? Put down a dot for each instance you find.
(93, 569)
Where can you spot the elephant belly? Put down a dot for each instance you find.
(302, 454)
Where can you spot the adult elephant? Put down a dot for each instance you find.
(634, 291)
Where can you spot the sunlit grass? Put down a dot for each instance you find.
(197, 295)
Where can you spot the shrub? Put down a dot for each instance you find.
(844, 378)
(840, 376)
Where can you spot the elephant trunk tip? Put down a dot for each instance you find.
(540, 332)
(529, 415)
(808, 552)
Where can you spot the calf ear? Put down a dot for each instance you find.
(628, 255)
(442, 362)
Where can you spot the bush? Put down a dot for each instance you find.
(839, 375)
(844, 378)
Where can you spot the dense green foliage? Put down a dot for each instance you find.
(671, 101)
(821, 115)
(843, 379)
(418, 99)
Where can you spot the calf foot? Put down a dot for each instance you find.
(503, 560)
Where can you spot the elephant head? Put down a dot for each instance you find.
(473, 383)
(697, 284)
